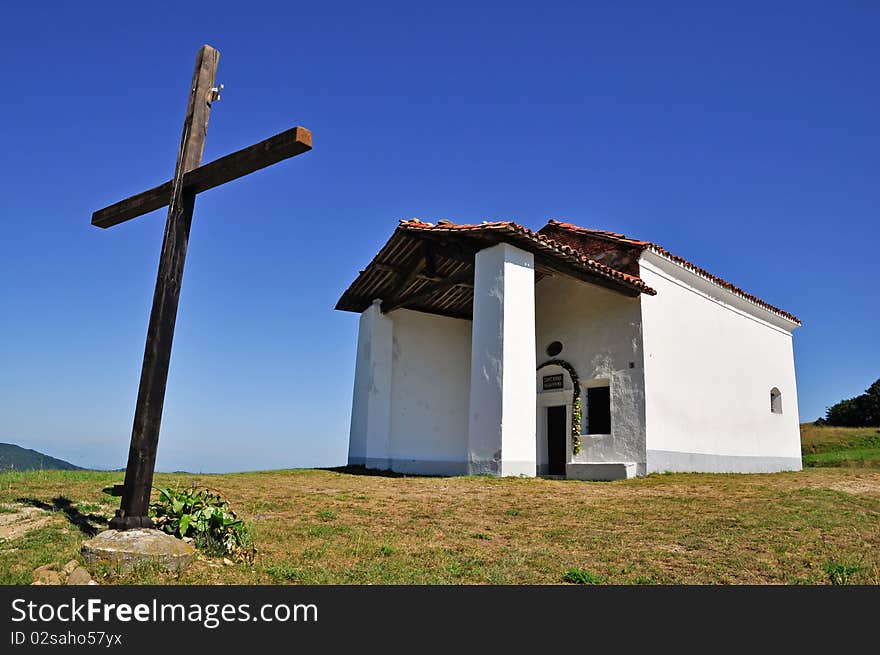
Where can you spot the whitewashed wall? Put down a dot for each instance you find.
(710, 362)
(430, 382)
(690, 373)
(371, 404)
(601, 337)
(501, 424)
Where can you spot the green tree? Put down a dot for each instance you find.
(860, 411)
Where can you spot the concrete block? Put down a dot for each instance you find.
(604, 471)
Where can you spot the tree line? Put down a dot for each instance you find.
(861, 411)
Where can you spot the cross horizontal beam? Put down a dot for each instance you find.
(294, 141)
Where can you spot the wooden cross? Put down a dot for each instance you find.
(179, 193)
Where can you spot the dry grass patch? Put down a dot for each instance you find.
(316, 526)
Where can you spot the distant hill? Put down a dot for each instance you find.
(16, 458)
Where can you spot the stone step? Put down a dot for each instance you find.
(600, 470)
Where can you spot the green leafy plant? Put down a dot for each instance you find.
(576, 425)
(206, 518)
(582, 576)
(840, 573)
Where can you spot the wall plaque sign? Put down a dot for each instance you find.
(552, 382)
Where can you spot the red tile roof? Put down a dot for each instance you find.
(534, 240)
(648, 245)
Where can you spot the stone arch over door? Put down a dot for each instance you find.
(557, 390)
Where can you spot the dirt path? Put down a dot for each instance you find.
(22, 521)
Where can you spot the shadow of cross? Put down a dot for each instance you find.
(179, 193)
(61, 504)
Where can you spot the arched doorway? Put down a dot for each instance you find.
(557, 389)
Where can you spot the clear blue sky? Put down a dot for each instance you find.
(741, 135)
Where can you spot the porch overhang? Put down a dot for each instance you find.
(430, 268)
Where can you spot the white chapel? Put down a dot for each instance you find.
(493, 349)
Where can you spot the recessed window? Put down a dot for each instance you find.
(554, 348)
(598, 417)
(775, 401)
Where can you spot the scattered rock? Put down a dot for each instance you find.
(125, 549)
(45, 575)
(70, 567)
(79, 576)
(92, 582)
(227, 561)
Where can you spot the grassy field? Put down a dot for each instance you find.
(840, 447)
(818, 526)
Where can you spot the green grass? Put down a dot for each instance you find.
(819, 526)
(53, 544)
(825, 446)
(283, 573)
(842, 573)
(581, 576)
(867, 457)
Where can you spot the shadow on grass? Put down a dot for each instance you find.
(83, 522)
(360, 469)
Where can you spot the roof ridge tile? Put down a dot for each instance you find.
(681, 261)
(564, 249)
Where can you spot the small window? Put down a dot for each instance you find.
(598, 410)
(775, 401)
(554, 348)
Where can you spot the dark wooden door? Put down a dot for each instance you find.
(556, 439)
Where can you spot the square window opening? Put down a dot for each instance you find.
(598, 414)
